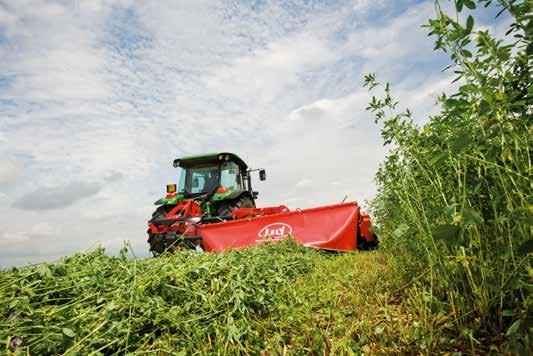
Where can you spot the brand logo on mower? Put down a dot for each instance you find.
(275, 231)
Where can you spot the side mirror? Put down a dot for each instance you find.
(195, 183)
(262, 174)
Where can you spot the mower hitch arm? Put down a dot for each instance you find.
(171, 221)
(207, 219)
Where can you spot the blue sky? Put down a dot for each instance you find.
(98, 97)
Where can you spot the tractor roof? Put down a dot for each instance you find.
(191, 161)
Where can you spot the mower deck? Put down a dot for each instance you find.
(338, 227)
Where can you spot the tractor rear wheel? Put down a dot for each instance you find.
(225, 207)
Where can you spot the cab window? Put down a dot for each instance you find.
(200, 179)
(230, 176)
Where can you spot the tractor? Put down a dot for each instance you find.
(213, 208)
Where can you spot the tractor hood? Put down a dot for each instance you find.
(170, 199)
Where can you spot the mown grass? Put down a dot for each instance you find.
(273, 299)
(92, 303)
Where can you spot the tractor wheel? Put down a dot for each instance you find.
(157, 244)
(364, 245)
(161, 212)
(227, 206)
(372, 245)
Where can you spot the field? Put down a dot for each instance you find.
(453, 273)
(278, 298)
(273, 299)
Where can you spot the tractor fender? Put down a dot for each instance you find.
(169, 199)
(229, 195)
(238, 193)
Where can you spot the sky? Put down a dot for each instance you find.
(97, 98)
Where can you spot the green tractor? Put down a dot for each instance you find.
(218, 183)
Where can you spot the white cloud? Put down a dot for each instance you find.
(339, 110)
(9, 171)
(106, 93)
(10, 237)
(304, 183)
(58, 197)
(267, 71)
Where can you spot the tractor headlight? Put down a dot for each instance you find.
(220, 157)
(226, 157)
(176, 163)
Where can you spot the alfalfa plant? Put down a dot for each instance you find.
(455, 195)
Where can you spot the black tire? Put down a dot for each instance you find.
(372, 245)
(161, 212)
(225, 207)
(157, 244)
(367, 245)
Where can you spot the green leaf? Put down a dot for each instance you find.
(461, 143)
(470, 4)
(508, 312)
(459, 5)
(438, 159)
(69, 332)
(524, 214)
(484, 107)
(469, 24)
(526, 248)
(466, 53)
(44, 270)
(471, 217)
(513, 329)
(446, 232)
(450, 211)
(400, 230)
(468, 88)
(450, 103)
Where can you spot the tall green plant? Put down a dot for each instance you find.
(454, 194)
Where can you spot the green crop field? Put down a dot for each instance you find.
(453, 274)
(274, 298)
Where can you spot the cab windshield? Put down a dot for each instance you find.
(199, 179)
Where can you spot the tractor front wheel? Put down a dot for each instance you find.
(161, 212)
(157, 244)
(225, 207)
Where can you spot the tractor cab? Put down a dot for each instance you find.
(219, 182)
(216, 174)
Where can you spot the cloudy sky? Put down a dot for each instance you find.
(97, 98)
